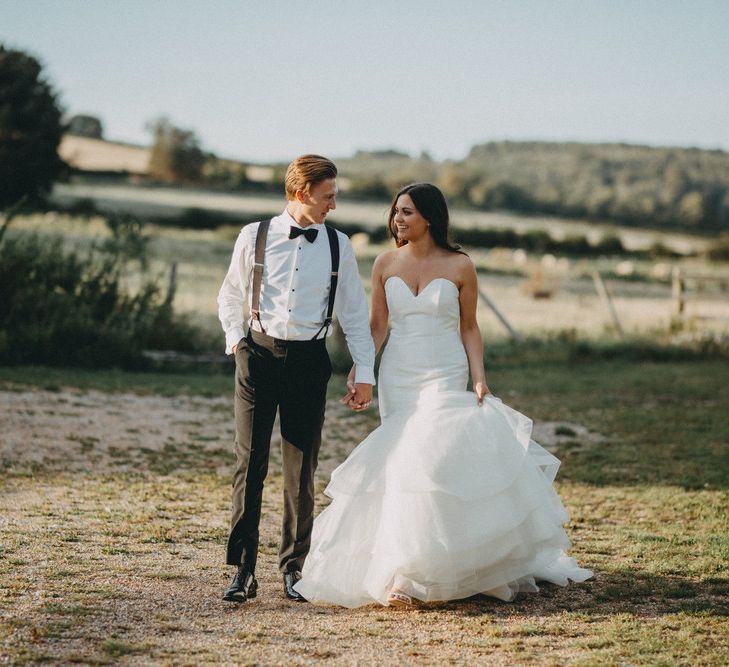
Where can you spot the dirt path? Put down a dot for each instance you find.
(114, 516)
(96, 432)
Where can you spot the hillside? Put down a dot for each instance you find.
(676, 188)
(638, 185)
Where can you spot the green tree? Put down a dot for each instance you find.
(30, 129)
(176, 154)
(82, 125)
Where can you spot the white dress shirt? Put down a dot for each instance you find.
(295, 291)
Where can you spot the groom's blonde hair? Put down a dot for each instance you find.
(307, 170)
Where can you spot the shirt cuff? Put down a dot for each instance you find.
(233, 337)
(364, 375)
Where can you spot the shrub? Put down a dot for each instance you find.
(84, 206)
(719, 249)
(573, 245)
(200, 218)
(610, 245)
(176, 156)
(70, 308)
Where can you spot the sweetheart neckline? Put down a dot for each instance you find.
(415, 296)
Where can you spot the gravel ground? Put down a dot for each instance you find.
(114, 518)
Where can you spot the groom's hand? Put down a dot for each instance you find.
(350, 391)
(361, 398)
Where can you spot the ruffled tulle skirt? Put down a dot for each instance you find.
(443, 501)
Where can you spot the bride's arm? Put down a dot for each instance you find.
(470, 333)
(378, 313)
(378, 310)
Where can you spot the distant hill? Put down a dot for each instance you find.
(632, 184)
(680, 188)
(636, 185)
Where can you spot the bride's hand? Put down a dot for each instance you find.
(481, 390)
(350, 388)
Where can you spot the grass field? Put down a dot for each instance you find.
(115, 500)
(642, 298)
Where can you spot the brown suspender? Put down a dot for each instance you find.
(261, 236)
(260, 253)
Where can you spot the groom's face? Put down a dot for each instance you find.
(321, 198)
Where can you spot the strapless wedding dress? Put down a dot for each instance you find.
(446, 498)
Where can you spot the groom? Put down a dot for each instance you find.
(289, 271)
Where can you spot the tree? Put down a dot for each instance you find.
(30, 129)
(176, 154)
(82, 125)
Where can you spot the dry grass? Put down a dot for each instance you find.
(97, 155)
(115, 505)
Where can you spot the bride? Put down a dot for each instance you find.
(449, 497)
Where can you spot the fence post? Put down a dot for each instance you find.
(678, 289)
(172, 287)
(607, 301)
(512, 332)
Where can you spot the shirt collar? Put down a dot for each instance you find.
(285, 221)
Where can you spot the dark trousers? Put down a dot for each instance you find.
(290, 376)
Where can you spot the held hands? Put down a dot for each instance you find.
(481, 390)
(358, 396)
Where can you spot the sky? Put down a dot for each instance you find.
(268, 80)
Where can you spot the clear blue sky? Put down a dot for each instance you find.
(268, 80)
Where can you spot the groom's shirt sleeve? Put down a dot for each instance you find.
(234, 290)
(350, 304)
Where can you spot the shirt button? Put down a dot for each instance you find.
(293, 290)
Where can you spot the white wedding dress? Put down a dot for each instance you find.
(446, 498)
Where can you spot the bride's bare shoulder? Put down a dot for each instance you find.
(461, 267)
(384, 260)
(457, 261)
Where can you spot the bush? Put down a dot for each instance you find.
(611, 245)
(719, 249)
(66, 308)
(84, 207)
(658, 250)
(535, 240)
(566, 347)
(200, 218)
(376, 234)
(176, 156)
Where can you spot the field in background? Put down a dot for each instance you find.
(172, 202)
(96, 155)
(570, 306)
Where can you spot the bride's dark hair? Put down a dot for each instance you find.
(431, 204)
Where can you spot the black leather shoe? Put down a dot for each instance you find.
(243, 586)
(290, 578)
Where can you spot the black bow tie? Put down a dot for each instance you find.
(309, 233)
